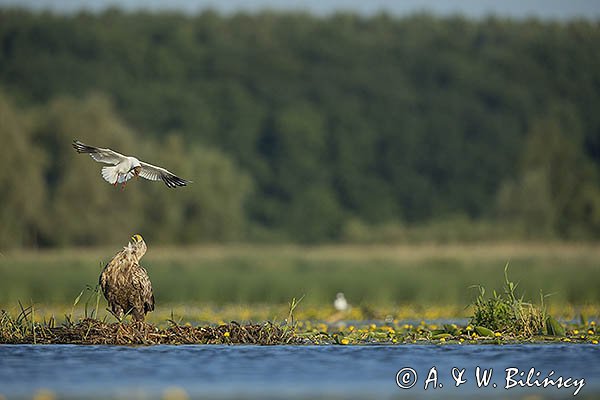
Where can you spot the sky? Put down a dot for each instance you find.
(542, 9)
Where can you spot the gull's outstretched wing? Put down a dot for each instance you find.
(154, 173)
(106, 156)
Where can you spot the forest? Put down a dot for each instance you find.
(297, 128)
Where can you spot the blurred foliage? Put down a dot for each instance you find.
(296, 127)
(557, 191)
(22, 190)
(55, 197)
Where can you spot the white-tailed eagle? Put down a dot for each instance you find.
(125, 283)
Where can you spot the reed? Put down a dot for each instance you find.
(373, 277)
(510, 314)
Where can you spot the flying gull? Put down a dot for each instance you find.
(122, 168)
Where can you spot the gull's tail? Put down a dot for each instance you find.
(110, 174)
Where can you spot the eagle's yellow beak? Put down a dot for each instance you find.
(136, 238)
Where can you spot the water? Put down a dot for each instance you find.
(210, 371)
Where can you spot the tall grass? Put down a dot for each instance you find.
(370, 276)
(506, 312)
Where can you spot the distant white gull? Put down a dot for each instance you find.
(123, 168)
(340, 302)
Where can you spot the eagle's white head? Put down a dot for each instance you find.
(137, 246)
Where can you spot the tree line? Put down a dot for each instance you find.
(296, 127)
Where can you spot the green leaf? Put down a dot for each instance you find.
(554, 327)
(482, 331)
(78, 298)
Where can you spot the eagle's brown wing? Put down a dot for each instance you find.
(143, 286)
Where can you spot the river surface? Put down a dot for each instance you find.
(296, 372)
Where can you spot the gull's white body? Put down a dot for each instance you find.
(122, 168)
(122, 172)
(340, 302)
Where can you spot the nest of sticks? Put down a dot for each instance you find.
(95, 332)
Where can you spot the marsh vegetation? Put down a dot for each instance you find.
(21, 328)
(506, 305)
(372, 277)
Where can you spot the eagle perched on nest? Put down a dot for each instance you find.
(125, 283)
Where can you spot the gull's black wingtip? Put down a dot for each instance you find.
(175, 181)
(82, 147)
(77, 145)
